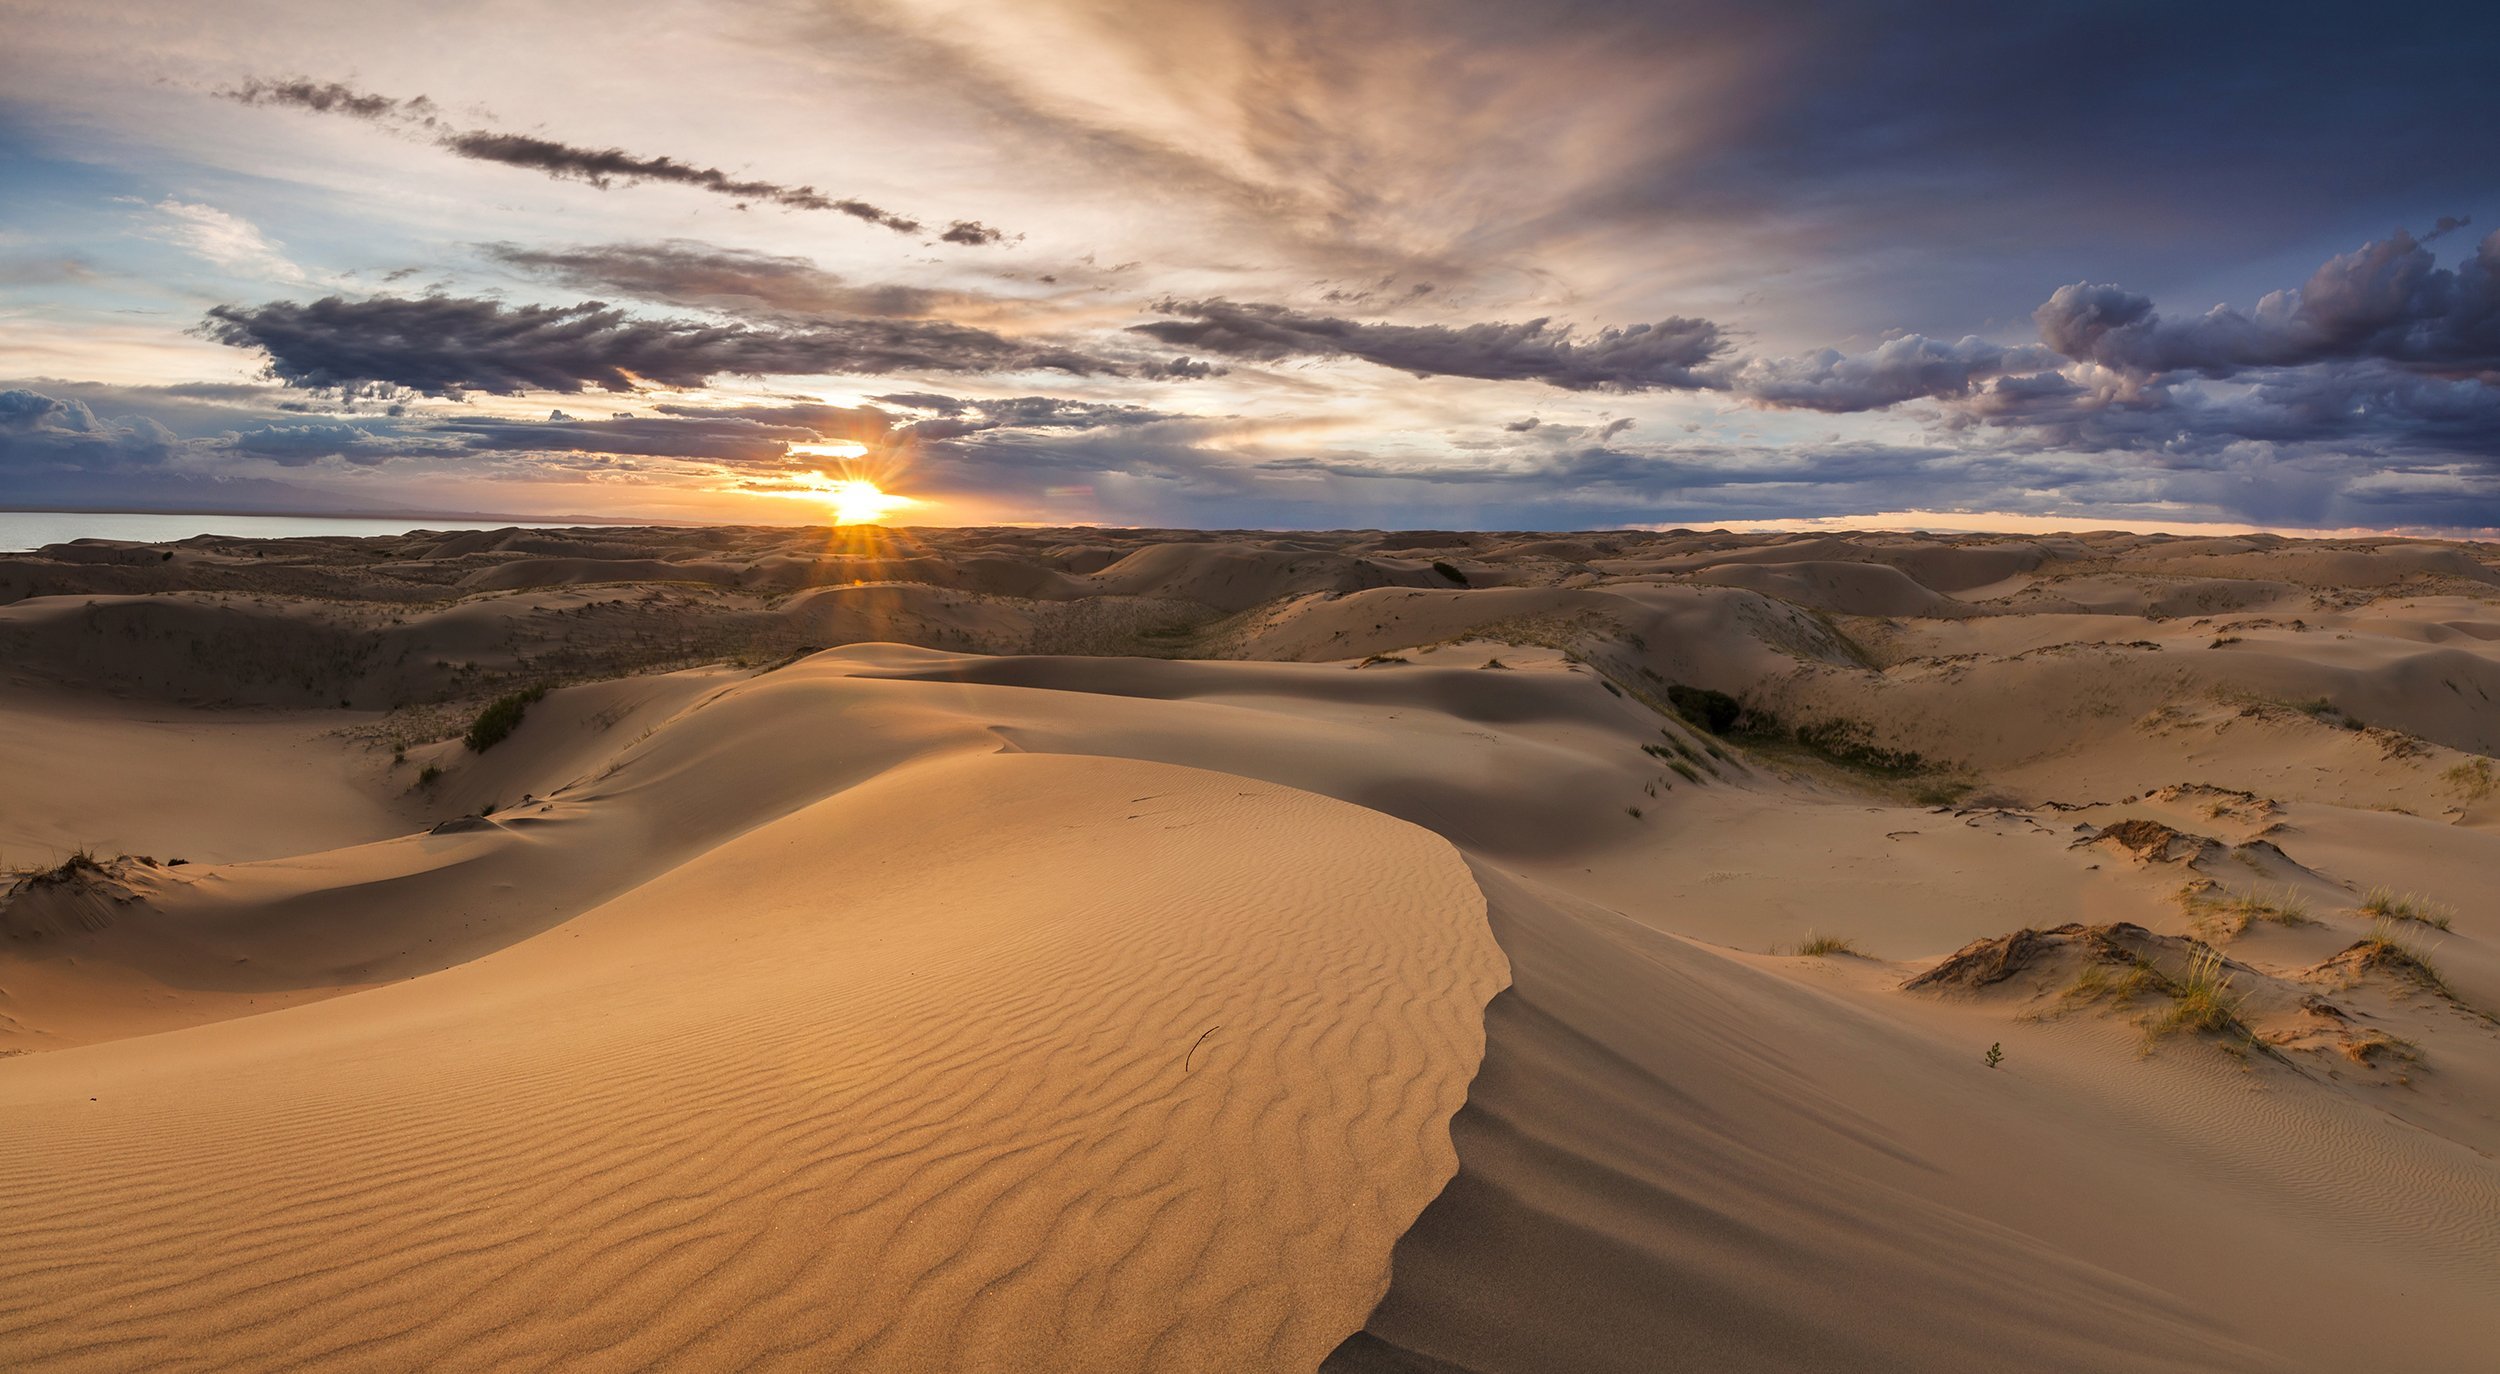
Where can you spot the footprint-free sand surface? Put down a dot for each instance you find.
(1099, 950)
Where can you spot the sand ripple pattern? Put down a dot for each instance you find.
(895, 1083)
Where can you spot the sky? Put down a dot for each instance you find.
(1257, 263)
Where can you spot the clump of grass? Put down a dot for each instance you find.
(501, 717)
(2234, 912)
(1633, 811)
(1450, 572)
(2475, 779)
(1824, 946)
(1684, 770)
(2200, 1000)
(2384, 948)
(429, 775)
(2096, 980)
(1376, 660)
(2388, 907)
(81, 862)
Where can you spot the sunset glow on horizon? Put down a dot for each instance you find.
(1398, 266)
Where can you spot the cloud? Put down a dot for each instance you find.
(680, 272)
(1671, 354)
(2387, 300)
(1908, 368)
(41, 432)
(301, 445)
(606, 167)
(330, 97)
(226, 240)
(599, 167)
(448, 346)
(954, 418)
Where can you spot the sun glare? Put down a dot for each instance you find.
(857, 501)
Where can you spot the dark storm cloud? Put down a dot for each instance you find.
(599, 167)
(2364, 413)
(448, 346)
(679, 272)
(2388, 300)
(1911, 367)
(736, 436)
(40, 432)
(1668, 355)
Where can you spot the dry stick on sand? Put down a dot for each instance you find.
(1194, 1044)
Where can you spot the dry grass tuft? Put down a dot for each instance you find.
(1824, 946)
(2200, 1001)
(2387, 906)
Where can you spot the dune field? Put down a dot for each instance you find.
(1024, 950)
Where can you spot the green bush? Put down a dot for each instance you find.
(1716, 712)
(501, 717)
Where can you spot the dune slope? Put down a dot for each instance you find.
(995, 1062)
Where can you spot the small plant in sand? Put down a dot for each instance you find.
(2385, 948)
(1451, 572)
(501, 717)
(2474, 779)
(81, 861)
(2232, 913)
(2200, 1000)
(1996, 1053)
(1824, 946)
(2120, 984)
(2386, 906)
(429, 775)
(1633, 811)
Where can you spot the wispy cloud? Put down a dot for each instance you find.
(229, 241)
(599, 167)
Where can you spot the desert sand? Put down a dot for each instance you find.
(1004, 950)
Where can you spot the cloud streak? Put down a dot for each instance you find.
(599, 167)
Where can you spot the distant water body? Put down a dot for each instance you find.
(21, 531)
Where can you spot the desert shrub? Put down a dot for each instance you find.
(1845, 742)
(1716, 712)
(1824, 946)
(1450, 572)
(501, 717)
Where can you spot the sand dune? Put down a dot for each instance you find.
(910, 1071)
(1097, 950)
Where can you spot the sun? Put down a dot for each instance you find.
(857, 501)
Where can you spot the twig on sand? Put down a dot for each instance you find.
(1194, 1044)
